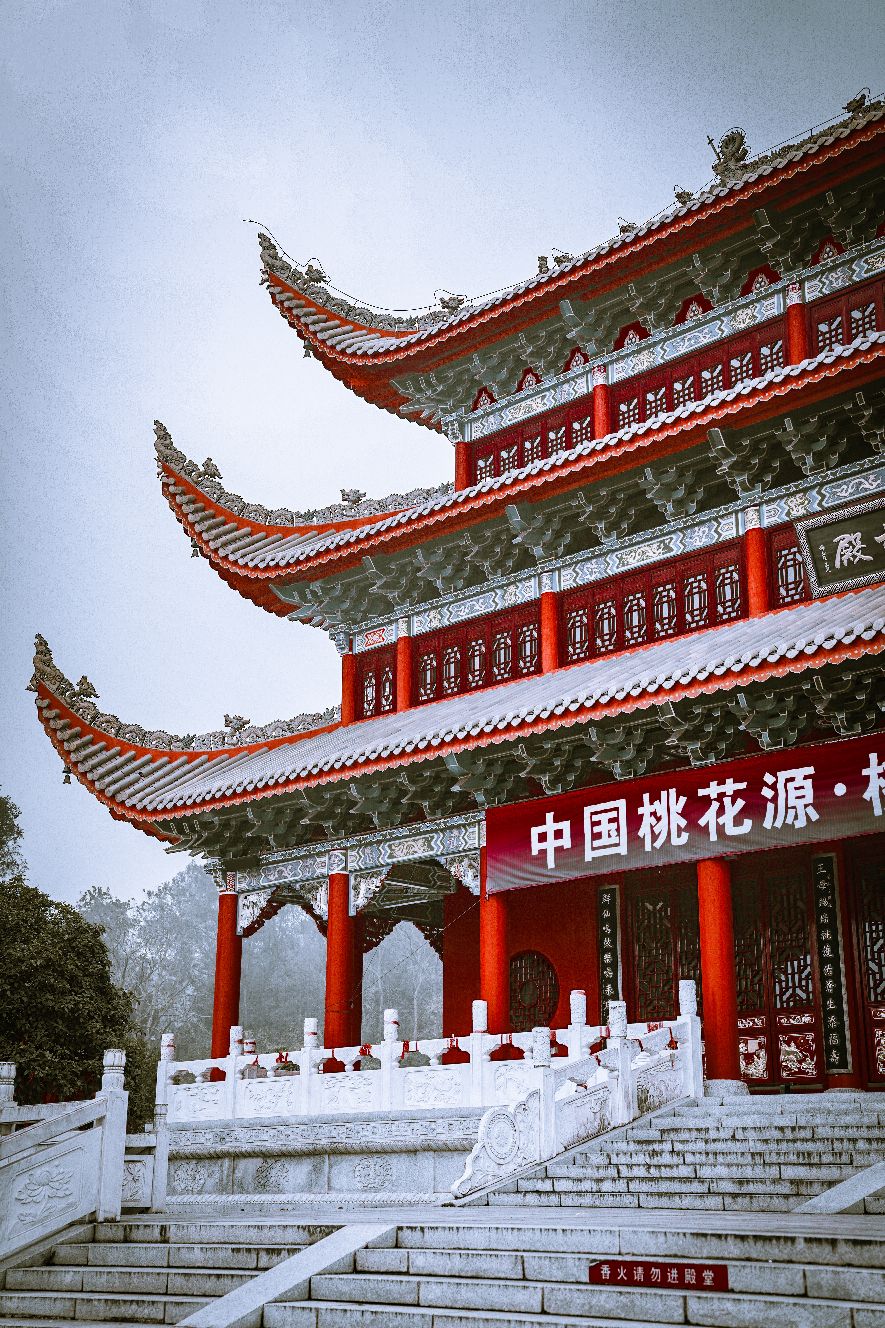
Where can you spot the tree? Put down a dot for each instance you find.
(60, 1006)
(10, 838)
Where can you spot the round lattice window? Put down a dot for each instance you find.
(534, 991)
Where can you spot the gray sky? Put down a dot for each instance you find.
(407, 145)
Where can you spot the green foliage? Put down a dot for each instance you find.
(60, 1006)
(10, 838)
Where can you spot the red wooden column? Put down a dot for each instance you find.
(404, 657)
(494, 955)
(228, 962)
(348, 687)
(601, 403)
(718, 981)
(462, 466)
(756, 562)
(549, 631)
(797, 326)
(339, 963)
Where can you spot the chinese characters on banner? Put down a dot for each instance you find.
(650, 1273)
(774, 800)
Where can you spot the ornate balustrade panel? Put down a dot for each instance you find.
(717, 350)
(66, 1166)
(323, 1081)
(641, 1068)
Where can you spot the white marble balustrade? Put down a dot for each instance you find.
(374, 1077)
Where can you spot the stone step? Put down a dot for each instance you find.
(672, 1201)
(650, 1185)
(594, 1166)
(73, 1307)
(53, 1323)
(752, 1171)
(775, 1279)
(154, 1255)
(120, 1280)
(602, 1238)
(378, 1294)
(725, 1151)
(344, 1314)
(194, 1232)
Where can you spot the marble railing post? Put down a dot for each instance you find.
(690, 1045)
(7, 1082)
(617, 1041)
(113, 1137)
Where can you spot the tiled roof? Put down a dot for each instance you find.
(343, 330)
(257, 549)
(139, 783)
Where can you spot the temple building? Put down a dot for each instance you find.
(612, 701)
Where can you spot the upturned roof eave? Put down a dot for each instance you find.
(333, 554)
(535, 299)
(776, 654)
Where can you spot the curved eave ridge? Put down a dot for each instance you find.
(274, 558)
(111, 757)
(247, 535)
(350, 332)
(788, 641)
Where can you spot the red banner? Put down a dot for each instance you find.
(648, 1272)
(775, 800)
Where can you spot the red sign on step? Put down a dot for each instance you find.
(648, 1273)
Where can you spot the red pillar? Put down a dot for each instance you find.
(601, 405)
(549, 631)
(228, 961)
(339, 964)
(797, 325)
(462, 466)
(718, 982)
(494, 956)
(348, 687)
(461, 980)
(404, 655)
(756, 559)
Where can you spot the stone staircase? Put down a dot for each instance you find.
(765, 1154)
(144, 1271)
(474, 1271)
(479, 1276)
(505, 1262)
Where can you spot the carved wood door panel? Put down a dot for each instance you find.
(868, 862)
(779, 1025)
(662, 942)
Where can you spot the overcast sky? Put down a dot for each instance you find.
(408, 146)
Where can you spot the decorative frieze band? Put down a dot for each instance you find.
(304, 875)
(668, 344)
(803, 498)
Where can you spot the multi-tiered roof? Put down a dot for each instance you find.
(711, 428)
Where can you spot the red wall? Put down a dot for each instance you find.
(558, 920)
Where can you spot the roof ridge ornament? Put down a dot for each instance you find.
(206, 479)
(80, 698)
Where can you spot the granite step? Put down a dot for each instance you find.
(154, 1255)
(72, 1307)
(339, 1301)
